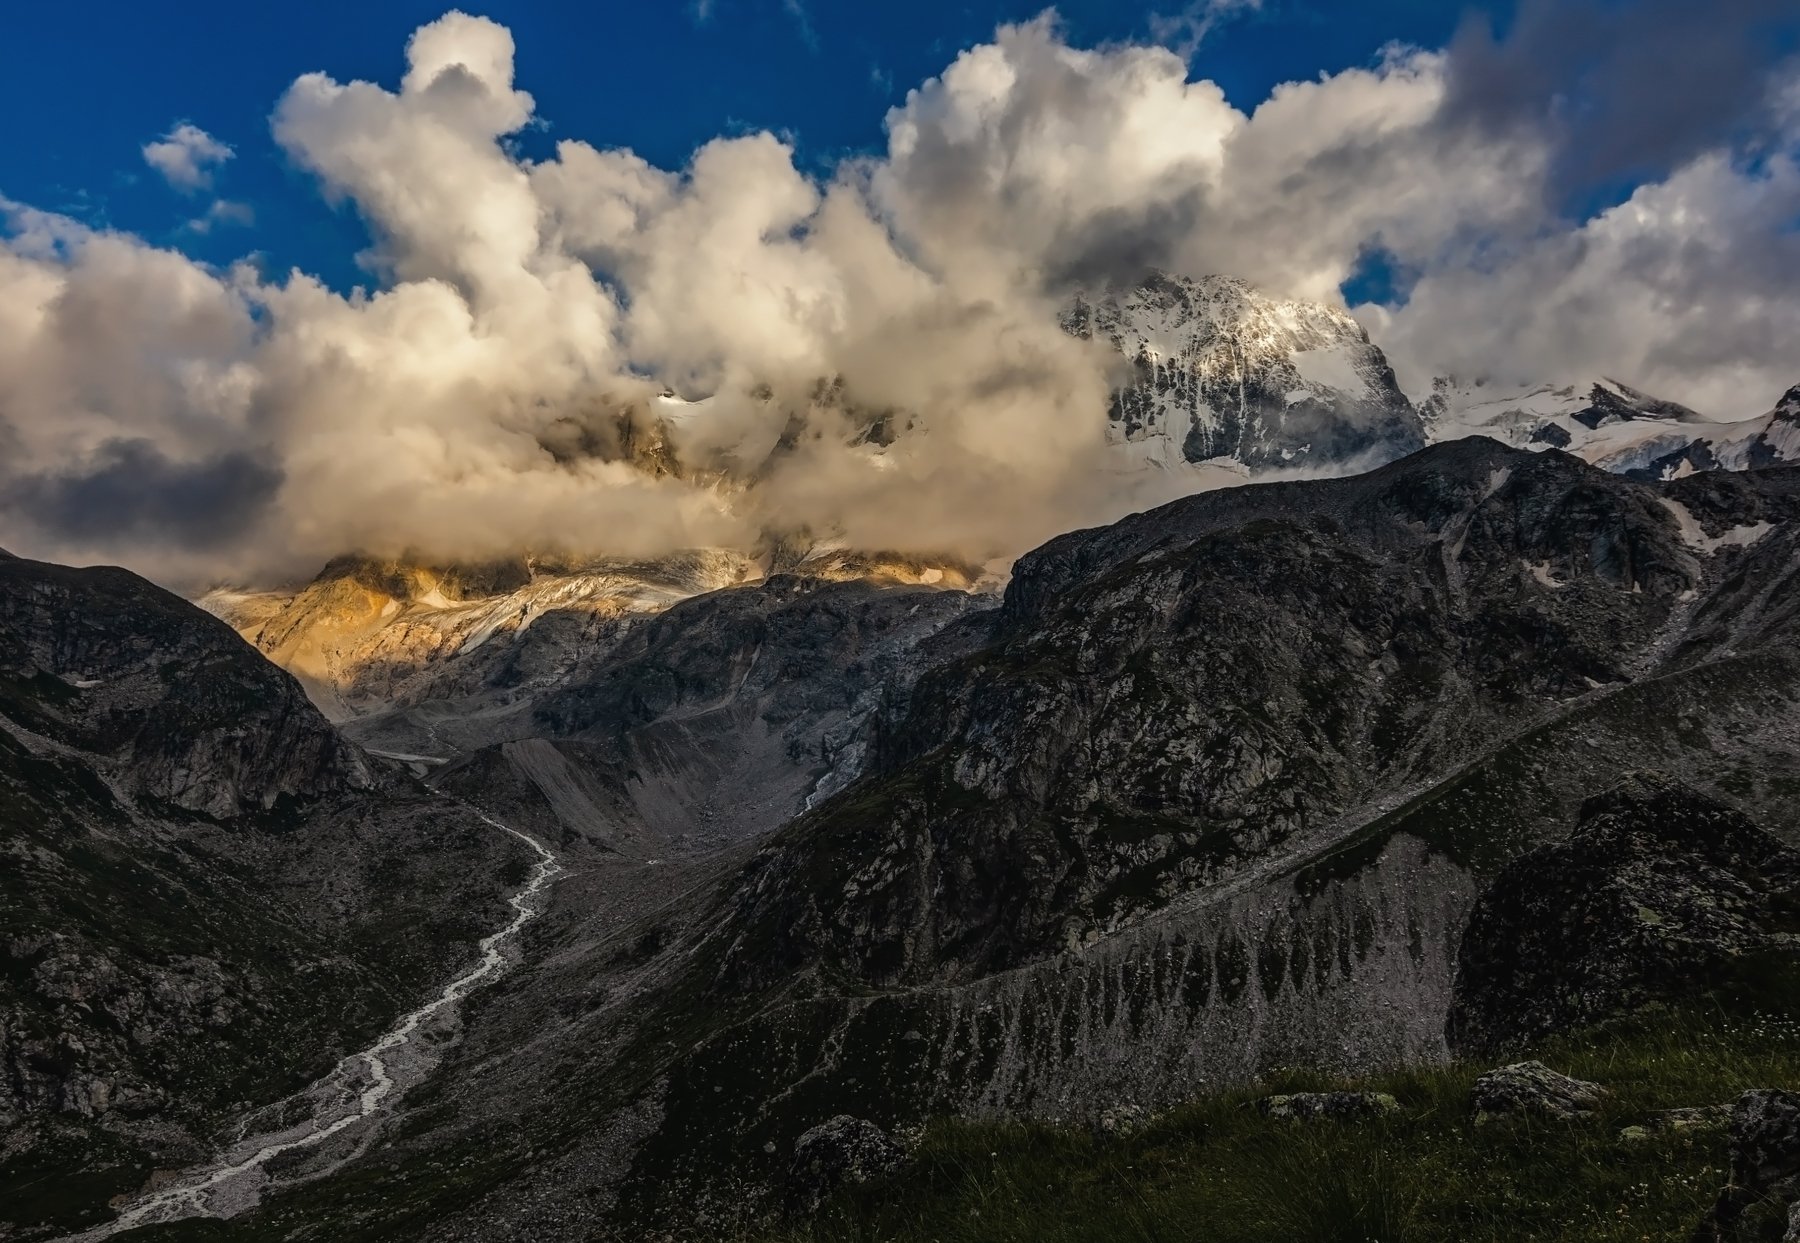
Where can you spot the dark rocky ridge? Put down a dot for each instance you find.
(191, 714)
(1156, 716)
(207, 897)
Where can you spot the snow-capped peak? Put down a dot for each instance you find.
(1221, 372)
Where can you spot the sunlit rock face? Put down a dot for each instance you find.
(368, 634)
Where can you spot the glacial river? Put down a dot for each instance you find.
(350, 1094)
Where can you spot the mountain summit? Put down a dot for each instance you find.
(1221, 370)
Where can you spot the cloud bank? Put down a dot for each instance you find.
(501, 386)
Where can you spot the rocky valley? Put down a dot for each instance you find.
(1202, 795)
(790, 622)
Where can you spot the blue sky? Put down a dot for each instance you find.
(99, 80)
(1535, 192)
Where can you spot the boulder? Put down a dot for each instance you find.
(1658, 892)
(1762, 1199)
(1532, 1088)
(844, 1151)
(1306, 1106)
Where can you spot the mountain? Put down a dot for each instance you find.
(368, 634)
(1613, 426)
(718, 720)
(207, 895)
(1213, 790)
(1222, 371)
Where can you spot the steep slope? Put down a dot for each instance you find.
(1223, 371)
(207, 895)
(720, 719)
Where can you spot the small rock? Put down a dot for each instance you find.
(1687, 1118)
(845, 1151)
(1690, 1117)
(1765, 1171)
(1305, 1106)
(1122, 1120)
(1533, 1088)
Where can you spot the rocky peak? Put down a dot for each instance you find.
(1221, 370)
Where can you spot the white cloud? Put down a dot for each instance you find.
(486, 395)
(187, 157)
(1187, 28)
(222, 212)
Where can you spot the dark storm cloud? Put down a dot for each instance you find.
(131, 491)
(1626, 91)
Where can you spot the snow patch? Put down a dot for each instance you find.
(1695, 536)
(1332, 368)
(1542, 572)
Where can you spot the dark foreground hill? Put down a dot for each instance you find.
(207, 897)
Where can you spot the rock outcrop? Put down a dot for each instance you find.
(1532, 1088)
(1659, 892)
(842, 1152)
(1762, 1199)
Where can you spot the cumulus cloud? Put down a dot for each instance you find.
(874, 355)
(1622, 91)
(1688, 288)
(186, 157)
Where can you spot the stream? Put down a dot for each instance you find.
(235, 1180)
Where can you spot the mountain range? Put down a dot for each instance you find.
(1220, 384)
(647, 870)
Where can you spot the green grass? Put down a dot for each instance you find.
(1218, 1172)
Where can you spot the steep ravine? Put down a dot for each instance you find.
(355, 1091)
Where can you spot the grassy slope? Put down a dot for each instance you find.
(1218, 1171)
